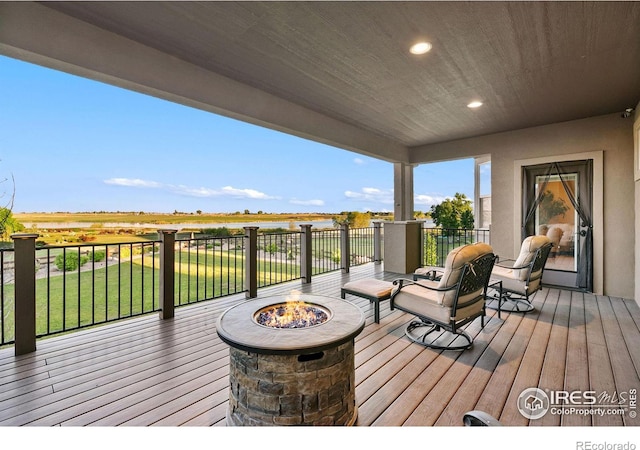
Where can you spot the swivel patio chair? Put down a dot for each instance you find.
(513, 282)
(478, 418)
(443, 306)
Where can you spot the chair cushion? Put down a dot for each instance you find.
(456, 259)
(528, 250)
(509, 282)
(426, 303)
(370, 287)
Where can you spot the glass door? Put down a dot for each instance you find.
(557, 201)
(556, 217)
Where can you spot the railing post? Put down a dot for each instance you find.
(345, 248)
(24, 245)
(305, 253)
(251, 261)
(167, 273)
(377, 242)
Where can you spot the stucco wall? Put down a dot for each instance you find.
(636, 152)
(610, 134)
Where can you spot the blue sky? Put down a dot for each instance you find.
(74, 144)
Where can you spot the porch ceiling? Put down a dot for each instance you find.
(531, 63)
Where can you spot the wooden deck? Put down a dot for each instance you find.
(146, 371)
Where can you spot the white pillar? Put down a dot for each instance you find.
(402, 191)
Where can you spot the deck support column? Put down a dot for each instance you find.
(402, 191)
(377, 242)
(305, 254)
(167, 273)
(345, 248)
(251, 261)
(24, 245)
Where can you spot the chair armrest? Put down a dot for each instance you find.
(433, 275)
(509, 264)
(401, 282)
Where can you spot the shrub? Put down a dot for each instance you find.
(98, 255)
(70, 261)
(431, 250)
(217, 232)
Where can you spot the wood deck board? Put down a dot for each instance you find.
(625, 373)
(145, 371)
(600, 374)
(528, 374)
(576, 377)
(555, 358)
(495, 393)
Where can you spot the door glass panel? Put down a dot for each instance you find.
(558, 220)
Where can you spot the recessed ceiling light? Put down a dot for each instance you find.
(420, 48)
(475, 104)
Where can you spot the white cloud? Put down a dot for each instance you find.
(295, 201)
(245, 193)
(372, 195)
(202, 192)
(428, 200)
(358, 161)
(133, 182)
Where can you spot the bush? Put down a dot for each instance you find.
(431, 250)
(217, 232)
(70, 261)
(98, 256)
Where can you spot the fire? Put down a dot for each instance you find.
(294, 313)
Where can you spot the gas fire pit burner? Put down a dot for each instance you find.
(292, 314)
(291, 375)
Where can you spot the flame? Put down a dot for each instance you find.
(293, 311)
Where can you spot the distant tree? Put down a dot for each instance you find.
(217, 232)
(353, 218)
(453, 213)
(8, 224)
(199, 212)
(467, 219)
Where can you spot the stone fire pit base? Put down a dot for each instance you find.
(312, 389)
(291, 376)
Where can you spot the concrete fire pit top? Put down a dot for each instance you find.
(236, 326)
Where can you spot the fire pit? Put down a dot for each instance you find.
(300, 374)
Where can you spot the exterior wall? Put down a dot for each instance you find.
(636, 152)
(608, 134)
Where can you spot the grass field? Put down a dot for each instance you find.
(98, 233)
(158, 219)
(78, 299)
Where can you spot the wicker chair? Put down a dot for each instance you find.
(456, 298)
(515, 280)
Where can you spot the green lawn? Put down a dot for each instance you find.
(82, 298)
